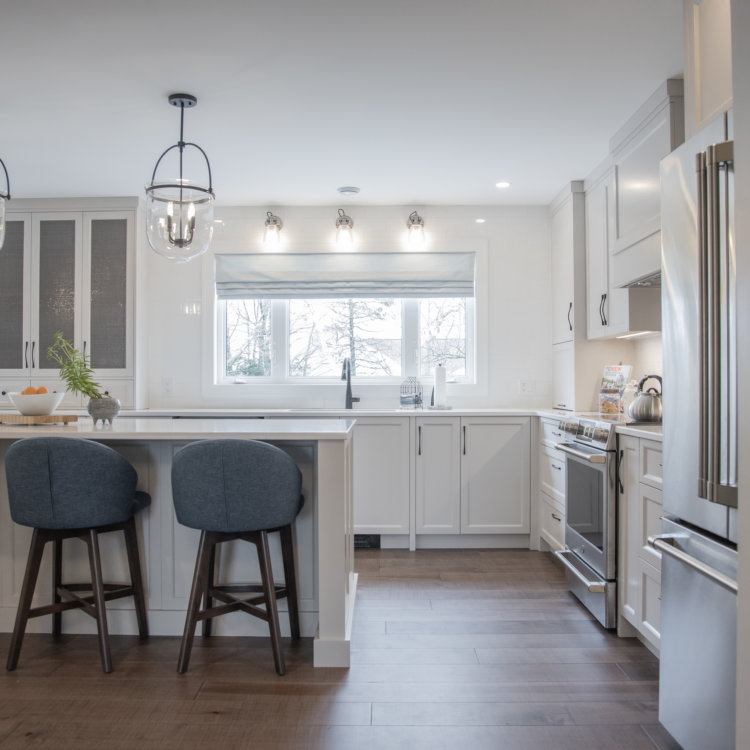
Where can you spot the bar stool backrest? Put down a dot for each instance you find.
(233, 486)
(68, 483)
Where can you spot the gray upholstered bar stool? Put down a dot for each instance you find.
(65, 488)
(238, 489)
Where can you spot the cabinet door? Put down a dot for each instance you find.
(438, 475)
(563, 279)
(629, 573)
(381, 476)
(495, 475)
(55, 286)
(15, 269)
(597, 268)
(107, 288)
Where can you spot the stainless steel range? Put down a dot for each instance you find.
(590, 557)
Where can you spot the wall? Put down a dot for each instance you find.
(517, 339)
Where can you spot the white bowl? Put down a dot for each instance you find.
(36, 405)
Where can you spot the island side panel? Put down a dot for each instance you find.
(337, 581)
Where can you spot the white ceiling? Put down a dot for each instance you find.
(414, 101)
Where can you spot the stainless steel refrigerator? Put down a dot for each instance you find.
(698, 544)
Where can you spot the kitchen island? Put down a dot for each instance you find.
(322, 448)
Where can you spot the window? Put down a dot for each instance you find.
(288, 319)
(377, 334)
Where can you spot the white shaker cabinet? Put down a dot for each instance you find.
(70, 271)
(639, 576)
(382, 457)
(473, 475)
(611, 311)
(708, 62)
(637, 148)
(551, 507)
(567, 258)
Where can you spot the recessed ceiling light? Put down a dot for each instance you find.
(348, 190)
(480, 221)
(502, 184)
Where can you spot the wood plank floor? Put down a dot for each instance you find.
(451, 649)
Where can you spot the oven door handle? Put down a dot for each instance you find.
(595, 587)
(592, 458)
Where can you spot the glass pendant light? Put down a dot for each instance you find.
(344, 230)
(4, 198)
(272, 231)
(180, 213)
(415, 223)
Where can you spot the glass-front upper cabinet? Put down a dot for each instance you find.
(107, 286)
(70, 272)
(15, 259)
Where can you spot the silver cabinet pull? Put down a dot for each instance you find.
(664, 543)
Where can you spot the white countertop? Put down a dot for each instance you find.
(326, 413)
(166, 428)
(652, 431)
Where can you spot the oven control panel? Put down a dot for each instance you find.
(587, 431)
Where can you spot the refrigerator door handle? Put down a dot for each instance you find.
(664, 543)
(703, 333)
(721, 335)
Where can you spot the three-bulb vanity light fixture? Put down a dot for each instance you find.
(4, 198)
(344, 230)
(180, 213)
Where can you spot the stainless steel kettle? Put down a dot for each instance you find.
(646, 406)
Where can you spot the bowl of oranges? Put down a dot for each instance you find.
(36, 402)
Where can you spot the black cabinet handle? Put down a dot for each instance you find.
(84, 350)
(557, 518)
(554, 466)
(26, 355)
(601, 312)
(33, 347)
(464, 440)
(570, 309)
(419, 431)
(604, 314)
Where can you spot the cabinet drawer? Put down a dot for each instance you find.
(650, 624)
(651, 511)
(552, 473)
(551, 522)
(550, 433)
(651, 463)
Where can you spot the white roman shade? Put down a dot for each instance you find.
(310, 275)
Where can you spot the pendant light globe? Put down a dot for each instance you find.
(180, 212)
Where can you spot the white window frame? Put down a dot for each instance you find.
(293, 391)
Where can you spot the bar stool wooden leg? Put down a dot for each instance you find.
(56, 583)
(136, 580)
(207, 598)
(36, 549)
(97, 587)
(290, 578)
(200, 577)
(269, 592)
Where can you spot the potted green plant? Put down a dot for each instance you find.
(78, 378)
